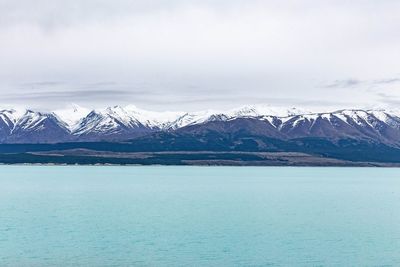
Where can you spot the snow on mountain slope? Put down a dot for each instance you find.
(121, 116)
(119, 120)
(36, 127)
(72, 115)
(192, 118)
(373, 125)
(98, 122)
(8, 120)
(110, 121)
(153, 119)
(389, 117)
(256, 111)
(264, 111)
(10, 116)
(33, 121)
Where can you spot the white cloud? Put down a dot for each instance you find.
(199, 49)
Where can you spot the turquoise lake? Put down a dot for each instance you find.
(199, 216)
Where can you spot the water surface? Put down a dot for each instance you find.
(199, 216)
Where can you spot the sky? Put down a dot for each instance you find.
(200, 54)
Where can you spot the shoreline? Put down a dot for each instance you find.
(81, 157)
(364, 165)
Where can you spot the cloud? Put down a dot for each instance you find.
(351, 83)
(344, 83)
(172, 52)
(68, 96)
(41, 84)
(389, 99)
(387, 81)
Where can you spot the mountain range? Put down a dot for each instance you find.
(124, 123)
(350, 134)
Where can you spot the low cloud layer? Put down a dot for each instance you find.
(196, 54)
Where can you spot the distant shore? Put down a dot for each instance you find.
(182, 158)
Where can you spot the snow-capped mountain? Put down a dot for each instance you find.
(32, 126)
(125, 123)
(111, 123)
(366, 124)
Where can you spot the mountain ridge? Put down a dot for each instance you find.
(124, 123)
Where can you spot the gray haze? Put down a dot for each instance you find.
(175, 54)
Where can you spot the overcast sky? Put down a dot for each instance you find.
(197, 54)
